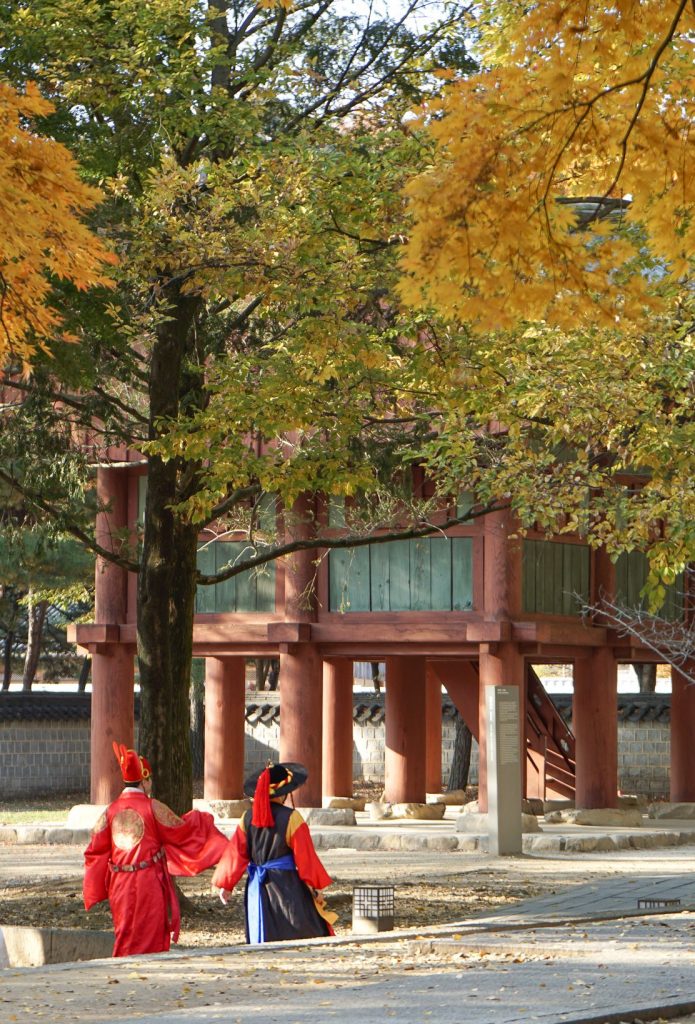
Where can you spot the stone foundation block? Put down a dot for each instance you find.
(224, 810)
(472, 821)
(352, 803)
(626, 817)
(378, 810)
(581, 844)
(419, 812)
(60, 836)
(648, 841)
(471, 844)
(453, 797)
(533, 805)
(542, 844)
(477, 822)
(320, 816)
(28, 835)
(682, 812)
(33, 947)
(84, 815)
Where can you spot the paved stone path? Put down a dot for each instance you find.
(503, 968)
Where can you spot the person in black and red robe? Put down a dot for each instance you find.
(273, 844)
(136, 845)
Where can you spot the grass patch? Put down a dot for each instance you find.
(27, 810)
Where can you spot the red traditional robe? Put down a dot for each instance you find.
(149, 841)
(288, 908)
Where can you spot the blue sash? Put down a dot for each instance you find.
(254, 906)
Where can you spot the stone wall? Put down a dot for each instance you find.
(44, 742)
(43, 756)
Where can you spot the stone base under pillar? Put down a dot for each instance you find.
(223, 810)
(328, 815)
(682, 811)
(453, 797)
(352, 803)
(84, 815)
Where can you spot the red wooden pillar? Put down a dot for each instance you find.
(224, 728)
(337, 727)
(433, 744)
(500, 665)
(682, 729)
(112, 663)
(301, 669)
(595, 727)
(405, 730)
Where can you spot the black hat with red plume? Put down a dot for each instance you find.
(275, 780)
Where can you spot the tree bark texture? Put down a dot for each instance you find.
(35, 620)
(7, 661)
(461, 758)
(646, 676)
(167, 577)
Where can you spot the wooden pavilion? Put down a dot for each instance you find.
(474, 609)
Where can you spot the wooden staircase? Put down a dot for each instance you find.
(550, 751)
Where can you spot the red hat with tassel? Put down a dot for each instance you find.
(275, 780)
(131, 766)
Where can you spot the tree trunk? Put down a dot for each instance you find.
(461, 758)
(646, 676)
(167, 577)
(262, 669)
(7, 660)
(85, 671)
(274, 674)
(198, 717)
(35, 620)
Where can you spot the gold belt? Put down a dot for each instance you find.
(140, 866)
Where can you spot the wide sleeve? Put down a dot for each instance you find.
(96, 864)
(234, 860)
(309, 867)
(192, 843)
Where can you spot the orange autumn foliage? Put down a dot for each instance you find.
(42, 201)
(576, 98)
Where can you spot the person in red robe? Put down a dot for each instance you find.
(273, 845)
(136, 845)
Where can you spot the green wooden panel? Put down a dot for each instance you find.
(349, 580)
(399, 553)
(205, 596)
(584, 575)
(265, 588)
(420, 575)
(555, 597)
(461, 573)
(225, 592)
(631, 571)
(246, 596)
(465, 502)
(380, 578)
(441, 560)
(552, 574)
(430, 574)
(567, 597)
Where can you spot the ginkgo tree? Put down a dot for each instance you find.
(43, 201)
(554, 229)
(253, 157)
(577, 100)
